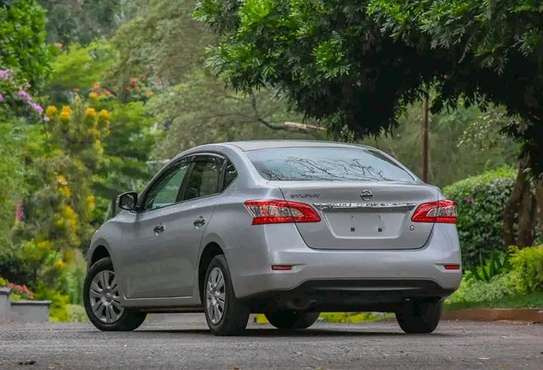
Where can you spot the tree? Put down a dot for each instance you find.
(355, 64)
(22, 40)
(82, 21)
(162, 52)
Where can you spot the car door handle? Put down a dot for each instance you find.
(159, 229)
(199, 222)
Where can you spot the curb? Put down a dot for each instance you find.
(495, 314)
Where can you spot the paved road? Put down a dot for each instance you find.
(182, 341)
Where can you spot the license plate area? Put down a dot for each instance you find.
(365, 224)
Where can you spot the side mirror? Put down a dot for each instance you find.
(128, 201)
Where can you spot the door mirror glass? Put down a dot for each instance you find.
(128, 201)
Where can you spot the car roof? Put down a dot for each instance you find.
(270, 144)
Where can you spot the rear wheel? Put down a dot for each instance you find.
(420, 317)
(102, 299)
(289, 319)
(225, 314)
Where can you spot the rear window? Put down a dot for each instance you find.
(326, 164)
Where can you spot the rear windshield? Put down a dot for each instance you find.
(326, 164)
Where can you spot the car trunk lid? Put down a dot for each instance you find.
(361, 215)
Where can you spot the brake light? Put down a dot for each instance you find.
(441, 211)
(280, 211)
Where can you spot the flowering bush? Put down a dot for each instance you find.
(19, 292)
(15, 98)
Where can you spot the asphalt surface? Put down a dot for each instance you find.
(182, 341)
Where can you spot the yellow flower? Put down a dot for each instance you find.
(61, 180)
(65, 191)
(59, 264)
(93, 95)
(91, 203)
(98, 147)
(90, 113)
(44, 245)
(51, 111)
(69, 218)
(104, 115)
(66, 113)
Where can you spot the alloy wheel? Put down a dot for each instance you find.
(215, 295)
(104, 297)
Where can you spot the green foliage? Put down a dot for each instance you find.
(22, 40)
(495, 48)
(162, 42)
(58, 311)
(480, 203)
(76, 313)
(83, 21)
(355, 64)
(497, 263)
(463, 141)
(11, 180)
(477, 291)
(519, 275)
(527, 265)
(210, 113)
(80, 67)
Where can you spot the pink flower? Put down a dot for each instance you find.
(2, 98)
(4, 74)
(37, 108)
(24, 96)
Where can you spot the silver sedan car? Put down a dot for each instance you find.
(284, 228)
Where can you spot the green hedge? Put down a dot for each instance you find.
(480, 204)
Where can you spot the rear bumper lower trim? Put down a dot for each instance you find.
(348, 295)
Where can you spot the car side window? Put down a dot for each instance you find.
(203, 178)
(230, 174)
(165, 191)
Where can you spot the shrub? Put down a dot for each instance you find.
(478, 291)
(527, 264)
(498, 263)
(480, 204)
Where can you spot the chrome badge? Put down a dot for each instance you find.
(366, 195)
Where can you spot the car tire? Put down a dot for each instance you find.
(289, 319)
(225, 314)
(420, 317)
(101, 297)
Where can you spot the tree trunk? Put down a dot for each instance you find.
(425, 146)
(513, 205)
(539, 206)
(526, 218)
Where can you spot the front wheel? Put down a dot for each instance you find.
(225, 314)
(101, 296)
(420, 317)
(292, 319)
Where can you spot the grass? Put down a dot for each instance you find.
(342, 317)
(532, 300)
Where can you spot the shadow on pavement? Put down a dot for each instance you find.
(291, 333)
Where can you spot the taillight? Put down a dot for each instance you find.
(280, 211)
(441, 211)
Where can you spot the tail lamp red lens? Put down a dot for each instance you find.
(276, 211)
(451, 266)
(441, 211)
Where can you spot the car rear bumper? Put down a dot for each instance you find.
(393, 273)
(347, 295)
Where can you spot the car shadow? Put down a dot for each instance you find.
(271, 332)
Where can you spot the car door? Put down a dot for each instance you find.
(199, 197)
(154, 260)
(165, 236)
